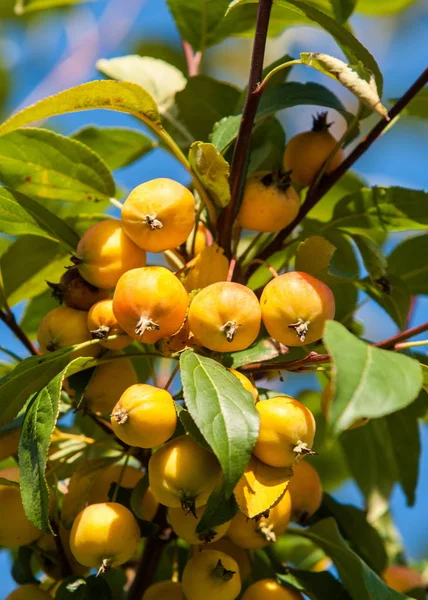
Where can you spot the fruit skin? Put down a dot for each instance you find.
(295, 307)
(104, 534)
(73, 291)
(225, 317)
(185, 525)
(287, 431)
(305, 489)
(269, 589)
(326, 401)
(252, 534)
(268, 204)
(102, 323)
(131, 476)
(247, 384)
(15, 528)
(29, 591)
(183, 474)
(306, 152)
(164, 590)
(105, 252)
(107, 384)
(402, 579)
(145, 416)
(240, 555)
(150, 304)
(63, 327)
(159, 214)
(201, 582)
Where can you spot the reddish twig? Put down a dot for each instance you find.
(241, 151)
(193, 59)
(9, 320)
(326, 183)
(390, 343)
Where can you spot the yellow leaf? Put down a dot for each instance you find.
(113, 95)
(314, 254)
(260, 487)
(210, 266)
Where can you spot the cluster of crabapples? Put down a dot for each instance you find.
(110, 295)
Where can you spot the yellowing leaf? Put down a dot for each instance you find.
(260, 487)
(314, 254)
(356, 78)
(212, 170)
(206, 268)
(113, 95)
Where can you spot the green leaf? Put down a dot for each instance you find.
(344, 263)
(27, 6)
(20, 215)
(223, 411)
(359, 580)
(372, 373)
(354, 50)
(362, 536)
(161, 80)
(267, 146)
(35, 310)
(417, 107)
(39, 260)
(373, 258)
(77, 588)
(219, 509)
(383, 7)
(264, 349)
(37, 428)
(190, 426)
(408, 261)
(112, 95)
(314, 254)
(349, 182)
(322, 586)
(203, 102)
(22, 570)
(395, 300)
(44, 164)
(388, 209)
(212, 171)
(343, 9)
(117, 146)
(32, 375)
(278, 97)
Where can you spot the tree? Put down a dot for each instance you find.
(150, 414)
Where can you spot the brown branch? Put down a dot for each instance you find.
(241, 151)
(326, 183)
(390, 343)
(9, 320)
(292, 365)
(151, 556)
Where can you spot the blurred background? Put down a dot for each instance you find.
(52, 50)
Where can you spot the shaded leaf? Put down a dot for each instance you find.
(372, 373)
(35, 310)
(77, 588)
(408, 261)
(314, 254)
(223, 411)
(22, 571)
(117, 146)
(373, 259)
(264, 349)
(212, 171)
(395, 299)
(260, 487)
(37, 428)
(383, 7)
(219, 509)
(44, 164)
(267, 146)
(322, 586)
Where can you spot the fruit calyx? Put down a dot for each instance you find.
(222, 573)
(105, 566)
(319, 123)
(301, 328)
(207, 536)
(152, 222)
(75, 260)
(57, 291)
(146, 324)
(188, 504)
(101, 333)
(267, 532)
(280, 179)
(229, 329)
(302, 449)
(52, 346)
(120, 416)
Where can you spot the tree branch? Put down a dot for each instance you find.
(193, 59)
(242, 146)
(400, 337)
(9, 320)
(326, 183)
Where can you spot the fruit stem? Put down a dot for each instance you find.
(101, 333)
(302, 449)
(105, 566)
(301, 328)
(152, 222)
(221, 572)
(146, 324)
(229, 329)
